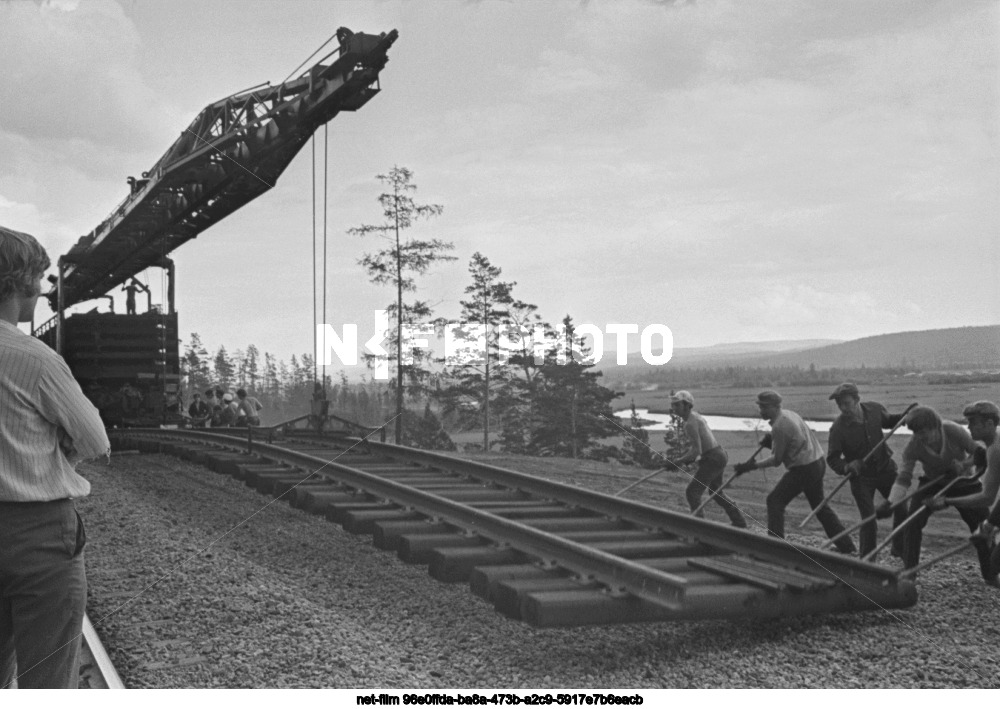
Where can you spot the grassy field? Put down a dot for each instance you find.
(813, 402)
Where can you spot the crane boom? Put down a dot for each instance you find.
(232, 152)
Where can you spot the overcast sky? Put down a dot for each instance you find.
(737, 171)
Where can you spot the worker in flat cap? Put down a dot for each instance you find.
(795, 446)
(853, 435)
(982, 418)
(945, 451)
(709, 455)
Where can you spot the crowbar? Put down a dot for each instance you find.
(642, 480)
(829, 542)
(724, 485)
(919, 512)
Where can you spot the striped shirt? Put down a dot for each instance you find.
(47, 425)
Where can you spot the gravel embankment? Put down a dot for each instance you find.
(233, 592)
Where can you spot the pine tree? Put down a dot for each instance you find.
(195, 365)
(635, 448)
(252, 367)
(572, 411)
(473, 382)
(224, 369)
(398, 265)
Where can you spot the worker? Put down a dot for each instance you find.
(47, 426)
(944, 449)
(709, 455)
(227, 414)
(982, 418)
(199, 411)
(853, 435)
(130, 290)
(796, 447)
(248, 409)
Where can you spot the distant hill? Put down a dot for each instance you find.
(949, 349)
(728, 350)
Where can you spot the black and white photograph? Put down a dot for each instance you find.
(440, 352)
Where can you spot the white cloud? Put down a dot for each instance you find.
(72, 69)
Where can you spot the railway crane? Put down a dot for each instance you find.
(233, 152)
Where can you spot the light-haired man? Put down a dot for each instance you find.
(944, 450)
(47, 425)
(248, 409)
(853, 435)
(709, 455)
(796, 447)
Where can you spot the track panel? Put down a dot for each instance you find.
(543, 552)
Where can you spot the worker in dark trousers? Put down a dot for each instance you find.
(944, 449)
(983, 418)
(710, 456)
(796, 447)
(853, 435)
(47, 426)
(199, 411)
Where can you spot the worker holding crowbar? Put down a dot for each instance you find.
(857, 450)
(944, 449)
(923, 511)
(796, 447)
(711, 460)
(983, 418)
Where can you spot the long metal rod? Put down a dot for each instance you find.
(715, 492)
(885, 438)
(902, 525)
(725, 484)
(907, 573)
(871, 518)
(639, 482)
(101, 658)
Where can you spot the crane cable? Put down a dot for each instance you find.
(326, 177)
(313, 324)
(326, 163)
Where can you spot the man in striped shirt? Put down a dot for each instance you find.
(47, 426)
(796, 447)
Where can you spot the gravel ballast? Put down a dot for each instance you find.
(197, 581)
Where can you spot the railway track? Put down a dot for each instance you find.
(97, 671)
(543, 552)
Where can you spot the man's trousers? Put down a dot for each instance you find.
(43, 594)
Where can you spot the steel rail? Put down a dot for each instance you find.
(609, 569)
(620, 575)
(108, 675)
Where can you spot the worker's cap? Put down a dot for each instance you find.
(986, 409)
(682, 396)
(845, 389)
(227, 397)
(769, 397)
